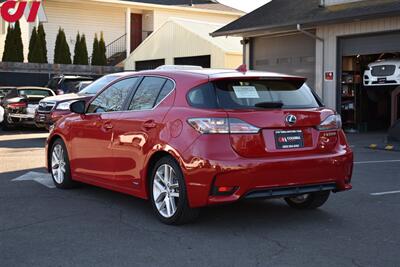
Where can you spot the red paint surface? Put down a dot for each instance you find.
(114, 150)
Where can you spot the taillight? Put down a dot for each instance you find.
(17, 105)
(222, 126)
(333, 122)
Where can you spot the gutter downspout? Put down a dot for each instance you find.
(323, 53)
(244, 43)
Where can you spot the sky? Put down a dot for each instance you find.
(245, 5)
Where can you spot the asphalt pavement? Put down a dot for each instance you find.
(89, 226)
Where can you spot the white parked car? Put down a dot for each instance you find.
(383, 72)
(1, 114)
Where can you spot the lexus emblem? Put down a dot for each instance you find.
(43, 105)
(291, 119)
(383, 68)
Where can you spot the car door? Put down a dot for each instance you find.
(140, 128)
(91, 146)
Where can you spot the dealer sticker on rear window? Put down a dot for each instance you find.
(246, 92)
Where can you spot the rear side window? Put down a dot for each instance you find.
(203, 96)
(165, 91)
(245, 94)
(147, 94)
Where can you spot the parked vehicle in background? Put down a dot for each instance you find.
(20, 104)
(66, 84)
(1, 114)
(383, 72)
(83, 85)
(185, 139)
(51, 109)
(4, 91)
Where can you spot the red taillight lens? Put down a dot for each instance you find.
(333, 122)
(222, 126)
(17, 105)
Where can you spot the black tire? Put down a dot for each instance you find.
(6, 125)
(66, 182)
(311, 201)
(184, 214)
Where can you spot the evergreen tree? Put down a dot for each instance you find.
(18, 46)
(32, 55)
(77, 50)
(57, 47)
(95, 52)
(41, 36)
(102, 51)
(62, 54)
(9, 49)
(84, 52)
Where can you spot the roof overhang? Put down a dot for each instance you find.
(146, 6)
(276, 29)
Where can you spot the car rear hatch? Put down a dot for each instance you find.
(285, 115)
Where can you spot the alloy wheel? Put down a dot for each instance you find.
(300, 198)
(58, 164)
(166, 191)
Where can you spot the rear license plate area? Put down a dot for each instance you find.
(289, 139)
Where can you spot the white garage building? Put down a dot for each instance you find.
(331, 42)
(186, 42)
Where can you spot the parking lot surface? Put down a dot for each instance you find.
(89, 226)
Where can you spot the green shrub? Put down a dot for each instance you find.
(13, 47)
(42, 45)
(62, 54)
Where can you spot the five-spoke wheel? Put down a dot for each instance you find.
(59, 165)
(168, 193)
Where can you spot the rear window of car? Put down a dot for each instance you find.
(53, 83)
(253, 94)
(34, 92)
(70, 86)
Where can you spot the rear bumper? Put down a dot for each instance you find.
(262, 178)
(22, 116)
(289, 191)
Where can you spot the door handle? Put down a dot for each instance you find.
(149, 125)
(107, 126)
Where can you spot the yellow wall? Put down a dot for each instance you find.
(172, 40)
(232, 61)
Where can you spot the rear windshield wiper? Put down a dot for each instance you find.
(269, 105)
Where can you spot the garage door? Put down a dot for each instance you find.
(370, 44)
(291, 54)
(149, 64)
(203, 61)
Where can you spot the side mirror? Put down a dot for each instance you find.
(78, 107)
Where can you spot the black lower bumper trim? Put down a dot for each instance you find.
(289, 191)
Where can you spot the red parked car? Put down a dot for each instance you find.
(185, 139)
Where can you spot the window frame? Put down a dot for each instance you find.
(132, 95)
(126, 102)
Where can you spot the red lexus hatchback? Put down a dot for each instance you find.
(186, 139)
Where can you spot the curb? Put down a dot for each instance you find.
(386, 147)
